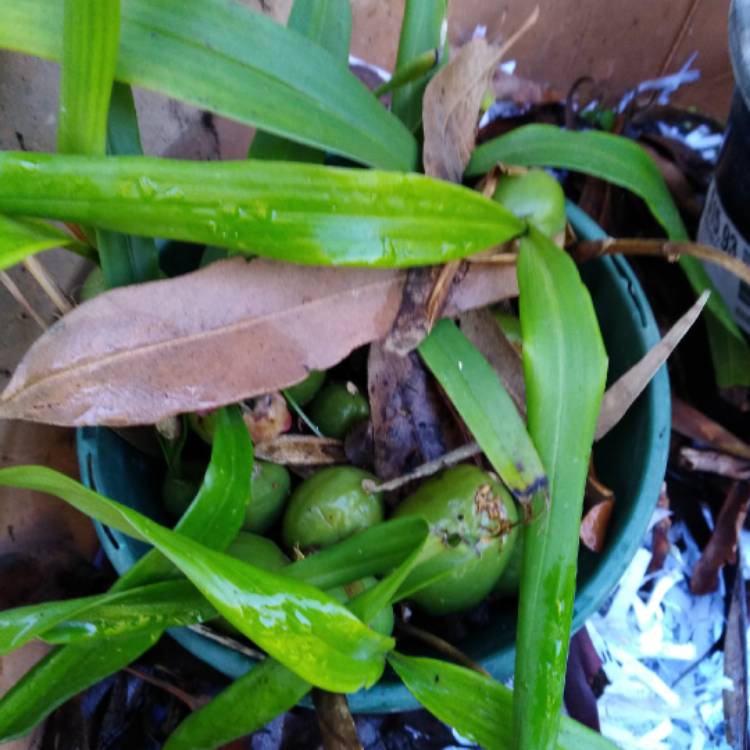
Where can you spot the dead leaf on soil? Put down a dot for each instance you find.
(722, 546)
(688, 421)
(621, 395)
(227, 332)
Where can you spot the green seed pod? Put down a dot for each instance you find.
(474, 517)
(203, 426)
(535, 196)
(259, 551)
(178, 493)
(269, 488)
(304, 391)
(382, 622)
(94, 285)
(330, 506)
(337, 407)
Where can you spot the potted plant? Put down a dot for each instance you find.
(234, 330)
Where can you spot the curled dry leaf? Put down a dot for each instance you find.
(621, 395)
(225, 333)
(722, 546)
(267, 417)
(410, 424)
(594, 525)
(688, 421)
(302, 450)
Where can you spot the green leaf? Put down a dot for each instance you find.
(565, 367)
(151, 608)
(20, 238)
(269, 689)
(420, 32)
(297, 624)
(249, 703)
(144, 609)
(478, 707)
(60, 675)
(126, 259)
(220, 56)
(295, 212)
(483, 403)
(328, 23)
(91, 35)
(214, 517)
(174, 603)
(623, 162)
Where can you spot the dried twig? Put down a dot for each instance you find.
(335, 720)
(425, 470)
(666, 249)
(722, 546)
(228, 642)
(688, 421)
(48, 284)
(715, 463)
(191, 701)
(19, 297)
(442, 646)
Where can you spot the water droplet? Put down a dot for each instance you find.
(147, 187)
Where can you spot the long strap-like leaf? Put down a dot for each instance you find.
(270, 689)
(328, 23)
(477, 706)
(219, 55)
(420, 32)
(565, 368)
(624, 163)
(299, 213)
(20, 238)
(214, 517)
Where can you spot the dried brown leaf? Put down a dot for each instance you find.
(227, 332)
(594, 525)
(621, 395)
(688, 421)
(410, 424)
(302, 450)
(660, 544)
(722, 546)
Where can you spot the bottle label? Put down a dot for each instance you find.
(717, 229)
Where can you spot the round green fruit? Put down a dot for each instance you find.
(269, 489)
(535, 196)
(382, 622)
(473, 517)
(259, 551)
(330, 506)
(337, 408)
(304, 391)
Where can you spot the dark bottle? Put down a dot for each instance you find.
(725, 222)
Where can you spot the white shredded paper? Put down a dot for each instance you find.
(653, 636)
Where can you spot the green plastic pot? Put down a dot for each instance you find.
(631, 460)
